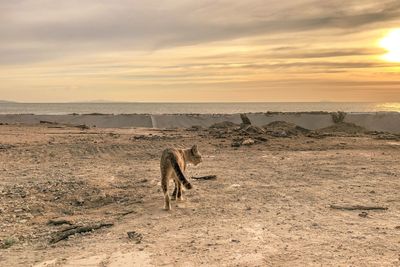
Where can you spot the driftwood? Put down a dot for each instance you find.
(127, 213)
(207, 177)
(76, 230)
(245, 119)
(357, 207)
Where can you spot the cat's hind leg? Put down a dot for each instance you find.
(180, 192)
(175, 194)
(164, 186)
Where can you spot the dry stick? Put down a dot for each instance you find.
(357, 207)
(82, 229)
(127, 212)
(207, 177)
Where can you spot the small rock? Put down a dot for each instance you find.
(135, 236)
(79, 201)
(235, 144)
(363, 214)
(261, 138)
(248, 142)
(280, 134)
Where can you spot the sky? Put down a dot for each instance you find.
(198, 51)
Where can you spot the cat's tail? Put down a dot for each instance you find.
(180, 174)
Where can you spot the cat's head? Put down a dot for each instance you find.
(194, 155)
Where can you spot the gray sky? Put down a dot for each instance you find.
(299, 50)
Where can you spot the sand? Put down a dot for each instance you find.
(269, 206)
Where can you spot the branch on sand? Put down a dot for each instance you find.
(207, 177)
(76, 230)
(357, 207)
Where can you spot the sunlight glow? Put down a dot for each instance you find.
(391, 42)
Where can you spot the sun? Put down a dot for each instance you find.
(391, 42)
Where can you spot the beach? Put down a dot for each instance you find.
(283, 196)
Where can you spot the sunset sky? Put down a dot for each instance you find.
(199, 51)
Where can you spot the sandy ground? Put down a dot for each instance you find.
(269, 206)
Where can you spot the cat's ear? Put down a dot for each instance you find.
(194, 149)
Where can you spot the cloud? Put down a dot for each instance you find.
(53, 28)
(121, 46)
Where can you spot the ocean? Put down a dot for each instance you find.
(196, 108)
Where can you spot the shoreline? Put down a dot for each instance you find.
(371, 121)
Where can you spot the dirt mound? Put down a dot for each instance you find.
(343, 127)
(284, 129)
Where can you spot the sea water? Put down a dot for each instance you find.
(196, 108)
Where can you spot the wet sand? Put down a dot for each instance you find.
(269, 206)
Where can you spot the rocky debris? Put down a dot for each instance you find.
(317, 135)
(284, 129)
(49, 201)
(82, 127)
(280, 134)
(250, 130)
(387, 136)
(242, 141)
(238, 134)
(194, 128)
(220, 133)
(278, 129)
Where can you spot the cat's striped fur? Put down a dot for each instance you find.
(173, 164)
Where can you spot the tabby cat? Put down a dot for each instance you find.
(173, 164)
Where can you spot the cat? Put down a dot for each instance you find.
(173, 164)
